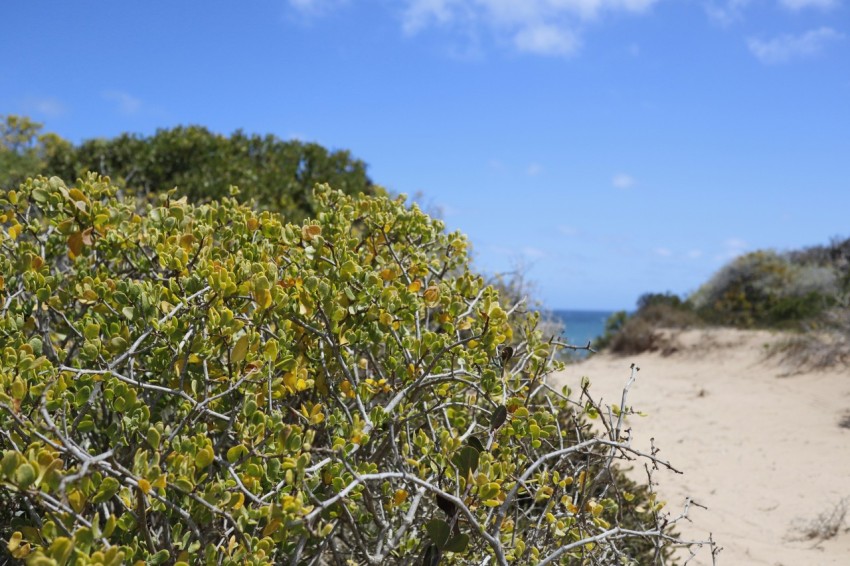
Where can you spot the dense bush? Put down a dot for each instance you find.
(642, 330)
(764, 288)
(209, 384)
(279, 175)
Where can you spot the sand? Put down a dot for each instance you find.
(762, 449)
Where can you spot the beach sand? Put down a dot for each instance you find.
(762, 449)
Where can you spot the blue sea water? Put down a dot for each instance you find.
(581, 326)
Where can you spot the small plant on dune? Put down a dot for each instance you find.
(642, 331)
(825, 526)
(208, 384)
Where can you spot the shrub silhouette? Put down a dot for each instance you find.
(184, 383)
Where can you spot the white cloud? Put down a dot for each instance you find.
(568, 230)
(785, 48)
(694, 254)
(533, 253)
(663, 252)
(623, 181)
(728, 12)
(127, 103)
(541, 27)
(534, 169)
(733, 247)
(48, 106)
(315, 6)
(796, 5)
(543, 39)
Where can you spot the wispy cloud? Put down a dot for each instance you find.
(786, 48)
(540, 27)
(726, 13)
(534, 169)
(315, 7)
(531, 252)
(623, 181)
(48, 107)
(126, 103)
(663, 252)
(568, 230)
(694, 254)
(796, 5)
(544, 39)
(732, 248)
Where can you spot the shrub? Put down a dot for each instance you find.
(209, 384)
(766, 289)
(641, 332)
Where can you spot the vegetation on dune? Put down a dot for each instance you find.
(278, 175)
(208, 383)
(802, 290)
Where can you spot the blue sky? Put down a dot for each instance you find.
(610, 147)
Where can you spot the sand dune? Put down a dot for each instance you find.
(763, 450)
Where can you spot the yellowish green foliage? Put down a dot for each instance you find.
(187, 384)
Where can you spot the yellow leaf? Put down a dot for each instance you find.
(75, 244)
(253, 224)
(239, 349)
(387, 274)
(263, 298)
(311, 231)
(15, 231)
(204, 457)
(145, 486)
(77, 195)
(14, 541)
(415, 286)
(160, 482)
(399, 497)
(432, 296)
(186, 241)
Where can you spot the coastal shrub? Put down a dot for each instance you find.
(209, 384)
(643, 330)
(764, 288)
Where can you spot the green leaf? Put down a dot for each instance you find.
(499, 417)
(466, 460)
(25, 475)
(236, 452)
(458, 543)
(438, 531)
(153, 437)
(431, 556)
(476, 443)
(108, 487)
(9, 463)
(159, 558)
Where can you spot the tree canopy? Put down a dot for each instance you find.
(279, 175)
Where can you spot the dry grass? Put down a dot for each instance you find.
(823, 527)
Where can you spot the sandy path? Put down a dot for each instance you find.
(763, 452)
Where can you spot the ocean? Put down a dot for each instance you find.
(581, 326)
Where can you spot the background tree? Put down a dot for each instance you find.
(278, 174)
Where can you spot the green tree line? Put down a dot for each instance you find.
(278, 174)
